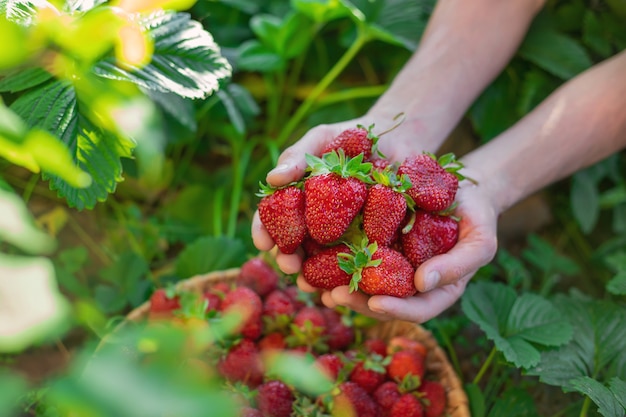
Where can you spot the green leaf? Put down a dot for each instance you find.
(180, 108)
(54, 108)
(584, 201)
(514, 402)
(186, 60)
(514, 269)
(12, 387)
(67, 264)
(518, 325)
(130, 273)
(21, 12)
(618, 388)
(23, 79)
(608, 404)
(110, 299)
(600, 329)
(536, 86)
(476, 400)
(595, 35)
(553, 51)
(617, 284)
(254, 56)
(208, 254)
(544, 256)
(321, 11)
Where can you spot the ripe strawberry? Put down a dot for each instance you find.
(385, 207)
(400, 342)
(339, 335)
(434, 181)
(369, 373)
(431, 235)
(163, 302)
(308, 330)
(310, 314)
(311, 247)
(282, 213)
(335, 192)
(434, 398)
(353, 401)
(242, 363)
(386, 395)
(247, 303)
(278, 302)
(272, 341)
(258, 275)
(322, 270)
(213, 301)
(394, 275)
(408, 405)
(330, 364)
(380, 164)
(354, 141)
(274, 399)
(405, 363)
(377, 346)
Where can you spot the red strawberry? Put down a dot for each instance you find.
(330, 364)
(282, 213)
(242, 363)
(246, 302)
(275, 399)
(379, 271)
(434, 181)
(335, 192)
(406, 363)
(380, 164)
(400, 342)
(386, 395)
(353, 401)
(272, 341)
(430, 235)
(339, 335)
(312, 315)
(369, 373)
(213, 301)
(163, 302)
(311, 247)
(383, 213)
(258, 275)
(408, 405)
(278, 302)
(322, 270)
(354, 141)
(377, 346)
(434, 398)
(308, 330)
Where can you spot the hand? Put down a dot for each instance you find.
(395, 145)
(452, 271)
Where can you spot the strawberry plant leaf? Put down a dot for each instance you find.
(617, 284)
(553, 51)
(584, 201)
(321, 11)
(208, 254)
(23, 79)
(180, 108)
(600, 328)
(608, 403)
(519, 325)
(514, 402)
(254, 56)
(19, 11)
(186, 60)
(536, 86)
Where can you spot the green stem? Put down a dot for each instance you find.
(30, 187)
(450, 349)
(239, 171)
(331, 75)
(218, 201)
(351, 94)
(275, 84)
(585, 408)
(485, 366)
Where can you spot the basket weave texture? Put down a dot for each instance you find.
(437, 363)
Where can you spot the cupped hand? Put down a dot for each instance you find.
(441, 280)
(401, 138)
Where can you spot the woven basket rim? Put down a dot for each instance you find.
(437, 362)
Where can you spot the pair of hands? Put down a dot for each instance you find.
(441, 280)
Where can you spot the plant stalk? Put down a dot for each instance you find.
(485, 366)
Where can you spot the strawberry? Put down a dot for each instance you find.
(335, 192)
(213, 301)
(369, 372)
(380, 164)
(385, 207)
(278, 302)
(274, 399)
(400, 342)
(353, 401)
(339, 334)
(378, 270)
(311, 247)
(377, 346)
(434, 181)
(430, 235)
(308, 330)
(405, 363)
(272, 341)
(354, 141)
(242, 363)
(281, 211)
(408, 405)
(386, 395)
(330, 364)
(433, 398)
(258, 275)
(322, 270)
(247, 303)
(163, 302)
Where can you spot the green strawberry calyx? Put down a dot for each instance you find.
(266, 189)
(400, 184)
(337, 163)
(360, 258)
(452, 165)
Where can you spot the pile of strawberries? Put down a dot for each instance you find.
(361, 220)
(367, 377)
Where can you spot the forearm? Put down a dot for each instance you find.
(580, 124)
(465, 45)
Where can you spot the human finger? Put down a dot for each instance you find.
(260, 237)
(356, 301)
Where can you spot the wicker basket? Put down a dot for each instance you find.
(437, 361)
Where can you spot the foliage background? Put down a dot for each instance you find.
(175, 157)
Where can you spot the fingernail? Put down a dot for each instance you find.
(279, 169)
(431, 280)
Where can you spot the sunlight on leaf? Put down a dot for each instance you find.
(31, 306)
(146, 6)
